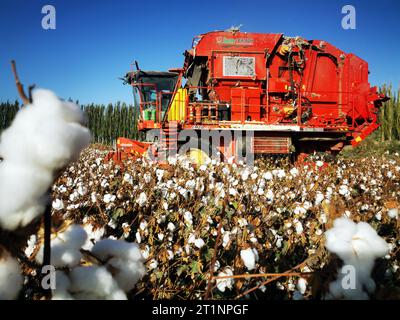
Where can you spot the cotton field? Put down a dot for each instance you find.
(268, 219)
(179, 231)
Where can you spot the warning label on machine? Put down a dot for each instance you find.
(239, 66)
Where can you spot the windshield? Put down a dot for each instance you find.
(149, 86)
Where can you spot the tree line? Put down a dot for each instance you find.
(389, 115)
(106, 122)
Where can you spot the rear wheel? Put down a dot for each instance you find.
(201, 151)
(197, 156)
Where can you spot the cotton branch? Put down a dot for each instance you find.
(47, 213)
(19, 85)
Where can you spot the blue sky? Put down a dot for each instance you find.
(95, 41)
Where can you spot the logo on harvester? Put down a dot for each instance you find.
(235, 41)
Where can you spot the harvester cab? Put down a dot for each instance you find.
(153, 91)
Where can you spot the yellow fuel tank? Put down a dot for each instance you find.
(177, 112)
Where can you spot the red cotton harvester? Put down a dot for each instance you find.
(294, 96)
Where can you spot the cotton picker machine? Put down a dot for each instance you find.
(266, 93)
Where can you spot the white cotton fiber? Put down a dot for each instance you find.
(339, 238)
(358, 245)
(47, 133)
(94, 283)
(302, 285)
(75, 235)
(62, 285)
(11, 279)
(22, 190)
(223, 284)
(44, 137)
(65, 248)
(125, 258)
(94, 235)
(249, 258)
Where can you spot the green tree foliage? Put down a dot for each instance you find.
(7, 113)
(389, 115)
(106, 123)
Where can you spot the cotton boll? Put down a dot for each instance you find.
(22, 217)
(94, 283)
(126, 258)
(142, 199)
(367, 243)
(11, 278)
(294, 172)
(26, 187)
(154, 264)
(127, 273)
(107, 248)
(58, 204)
(31, 245)
(94, 235)
(319, 198)
(171, 226)
(393, 213)
(227, 283)
(249, 258)
(40, 136)
(297, 295)
(319, 163)
(75, 236)
(62, 285)
(61, 255)
(65, 248)
(108, 198)
(338, 239)
(358, 245)
(299, 227)
(302, 285)
(199, 243)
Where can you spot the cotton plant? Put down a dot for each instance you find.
(44, 137)
(358, 246)
(117, 266)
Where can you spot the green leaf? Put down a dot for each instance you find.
(285, 247)
(208, 255)
(118, 213)
(181, 269)
(194, 267)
